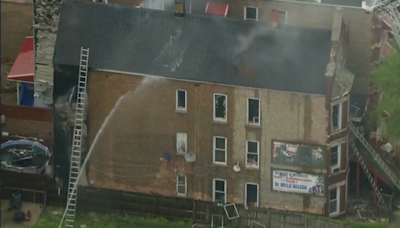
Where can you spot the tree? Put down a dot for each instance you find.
(387, 78)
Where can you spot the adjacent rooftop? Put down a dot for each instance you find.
(199, 48)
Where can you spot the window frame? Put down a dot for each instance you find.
(177, 108)
(186, 146)
(286, 15)
(248, 112)
(245, 193)
(214, 149)
(337, 165)
(177, 185)
(245, 13)
(337, 201)
(339, 117)
(218, 119)
(258, 153)
(150, 4)
(215, 185)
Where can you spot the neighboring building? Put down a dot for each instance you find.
(216, 109)
(45, 23)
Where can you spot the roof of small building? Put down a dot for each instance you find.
(197, 48)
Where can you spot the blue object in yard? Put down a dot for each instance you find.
(26, 95)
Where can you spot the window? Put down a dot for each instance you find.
(337, 117)
(282, 17)
(153, 4)
(251, 194)
(250, 13)
(219, 156)
(181, 100)
(220, 107)
(334, 196)
(219, 191)
(253, 111)
(181, 186)
(335, 159)
(181, 143)
(252, 153)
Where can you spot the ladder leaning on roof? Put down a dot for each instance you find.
(77, 140)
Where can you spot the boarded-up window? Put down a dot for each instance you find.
(181, 142)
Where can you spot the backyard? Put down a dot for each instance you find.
(51, 217)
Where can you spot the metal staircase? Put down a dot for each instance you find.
(77, 139)
(392, 177)
(369, 176)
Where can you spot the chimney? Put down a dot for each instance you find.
(274, 18)
(180, 8)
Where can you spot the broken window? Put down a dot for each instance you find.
(219, 191)
(181, 100)
(282, 17)
(252, 153)
(219, 156)
(181, 142)
(251, 195)
(220, 103)
(253, 111)
(181, 186)
(334, 200)
(337, 117)
(250, 13)
(335, 159)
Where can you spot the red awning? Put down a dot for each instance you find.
(24, 66)
(217, 9)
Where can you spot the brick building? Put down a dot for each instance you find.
(214, 109)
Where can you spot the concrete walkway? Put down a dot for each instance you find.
(396, 219)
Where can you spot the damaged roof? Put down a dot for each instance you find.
(198, 48)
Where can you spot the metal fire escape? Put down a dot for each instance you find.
(390, 8)
(77, 139)
(392, 177)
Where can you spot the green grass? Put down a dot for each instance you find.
(51, 218)
(379, 224)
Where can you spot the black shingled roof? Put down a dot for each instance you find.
(198, 48)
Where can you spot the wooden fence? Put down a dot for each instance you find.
(112, 201)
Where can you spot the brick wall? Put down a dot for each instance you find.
(28, 121)
(127, 154)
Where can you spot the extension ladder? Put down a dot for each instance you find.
(369, 176)
(392, 177)
(77, 139)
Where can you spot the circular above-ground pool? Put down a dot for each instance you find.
(25, 156)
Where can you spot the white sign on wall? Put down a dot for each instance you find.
(287, 181)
